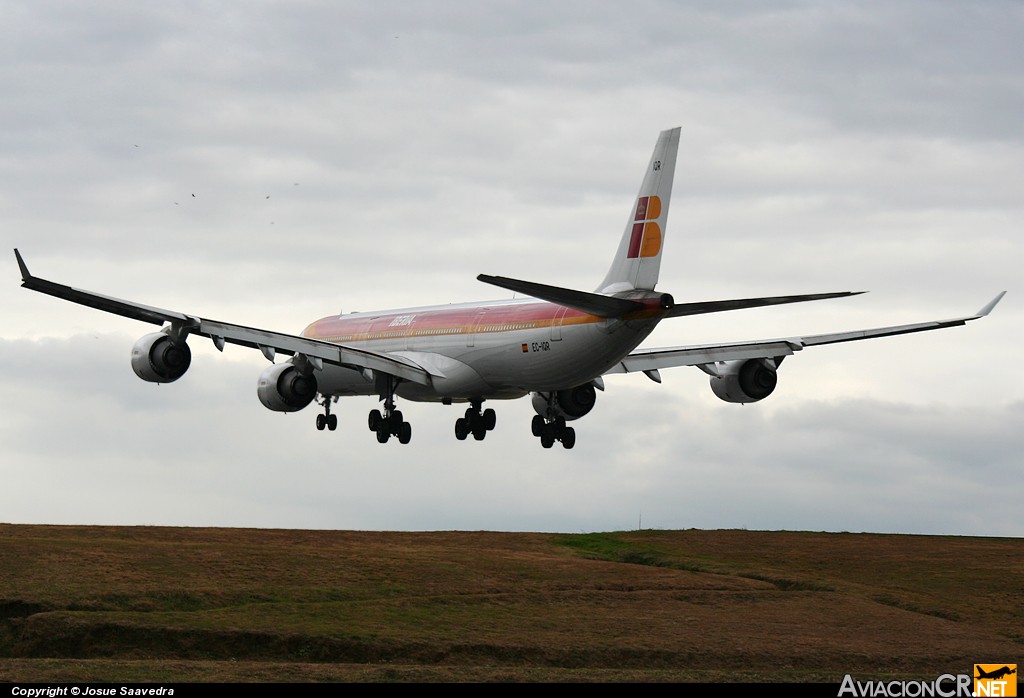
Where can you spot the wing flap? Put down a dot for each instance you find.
(654, 359)
(337, 354)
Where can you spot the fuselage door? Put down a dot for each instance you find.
(556, 324)
(472, 329)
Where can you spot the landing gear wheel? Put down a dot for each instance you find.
(390, 423)
(326, 420)
(489, 419)
(555, 430)
(475, 422)
(374, 421)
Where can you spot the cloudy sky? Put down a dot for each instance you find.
(269, 163)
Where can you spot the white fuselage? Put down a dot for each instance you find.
(490, 350)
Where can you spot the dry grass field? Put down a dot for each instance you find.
(188, 604)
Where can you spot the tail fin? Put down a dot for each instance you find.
(638, 259)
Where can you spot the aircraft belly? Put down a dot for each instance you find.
(533, 361)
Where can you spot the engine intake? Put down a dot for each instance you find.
(571, 403)
(745, 381)
(284, 388)
(156, 358)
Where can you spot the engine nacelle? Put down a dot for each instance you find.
(571, 404)
(744, 381)
(157, 358)
(284, 388)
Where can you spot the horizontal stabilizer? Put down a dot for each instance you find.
(593, 303)
(681, 309)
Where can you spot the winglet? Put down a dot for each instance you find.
(25, 276)
(991, 304)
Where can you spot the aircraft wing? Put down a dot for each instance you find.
(709, 354)
(267, 341)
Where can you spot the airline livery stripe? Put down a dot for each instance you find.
(410, 323)
(567, 320)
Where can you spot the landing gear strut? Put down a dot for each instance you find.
(475, 422)
(327, 420)
(555, 430)
(391, 422)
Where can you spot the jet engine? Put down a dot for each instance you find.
(745, 381)
(284, 388)
(571, 404)
(157, 358)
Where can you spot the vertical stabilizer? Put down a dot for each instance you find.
(638, 259)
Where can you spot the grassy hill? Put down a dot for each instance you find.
(179, 604)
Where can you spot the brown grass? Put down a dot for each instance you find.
(179, 604)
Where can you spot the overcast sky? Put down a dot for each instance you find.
(271, 163)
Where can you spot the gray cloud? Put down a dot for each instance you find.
(406, 149)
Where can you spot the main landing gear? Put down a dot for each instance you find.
(390, 423)
(327, 420)
(475, 422)
(555, 430)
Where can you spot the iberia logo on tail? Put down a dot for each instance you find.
(646, 238)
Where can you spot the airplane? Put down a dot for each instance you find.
(995, 674)
(554, 345)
